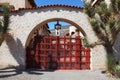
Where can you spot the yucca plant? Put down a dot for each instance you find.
(4, 23)
(105, 21)
(117, 70)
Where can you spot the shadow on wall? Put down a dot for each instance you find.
(17, 50)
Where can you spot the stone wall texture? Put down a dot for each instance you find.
(12, 53)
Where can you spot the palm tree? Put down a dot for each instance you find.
(105, 21)
(4, 24)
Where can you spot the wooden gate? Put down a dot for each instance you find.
(58, 52)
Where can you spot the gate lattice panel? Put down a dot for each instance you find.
(58, 52)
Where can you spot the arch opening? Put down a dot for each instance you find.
(46, 50)
(72, 23)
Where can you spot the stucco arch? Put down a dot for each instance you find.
(24, 21)
(50, 20)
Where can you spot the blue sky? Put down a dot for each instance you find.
(65, 2)
(51, 24)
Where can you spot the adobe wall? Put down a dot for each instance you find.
(22, 23)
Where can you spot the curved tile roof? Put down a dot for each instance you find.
(47, 6)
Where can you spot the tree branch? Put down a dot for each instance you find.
(99, 42)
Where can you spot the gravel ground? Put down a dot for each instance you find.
(13, 74)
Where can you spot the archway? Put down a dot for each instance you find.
(57, 52)
(54, 19)
(24, 21)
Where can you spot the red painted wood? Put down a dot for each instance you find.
(58, 52)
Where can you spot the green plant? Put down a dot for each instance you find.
(85, 42)
(111, 63)
(117, 70)
(4, 23)
(113, 68)
(105, 21)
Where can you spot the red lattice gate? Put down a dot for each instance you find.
(57, 52)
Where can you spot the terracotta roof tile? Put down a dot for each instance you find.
(46, 6)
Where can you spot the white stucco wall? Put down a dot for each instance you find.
(73, 29)
(17, 3)
(24, 21)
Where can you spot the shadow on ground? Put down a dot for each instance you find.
(9, 72)
(13, 71)
(37, 71)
